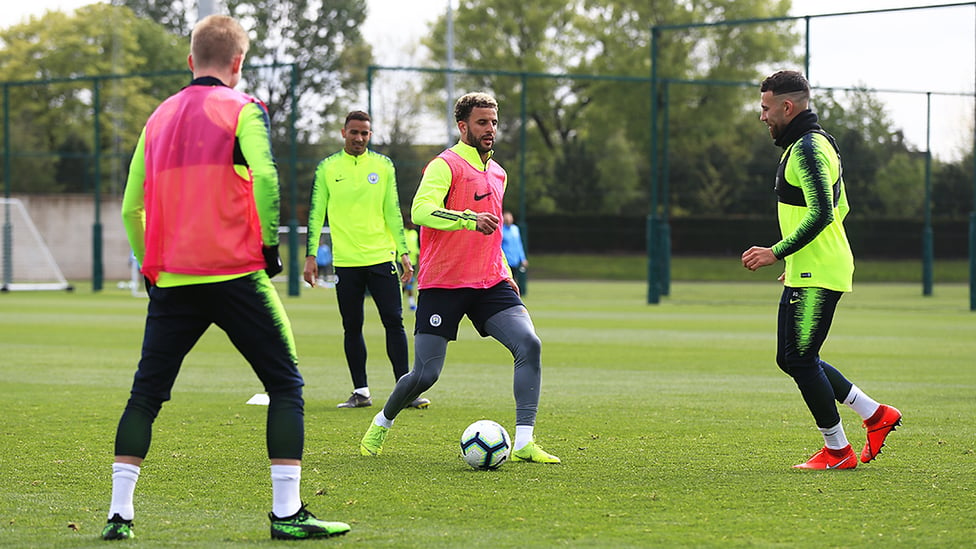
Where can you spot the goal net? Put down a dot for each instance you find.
(27, 262)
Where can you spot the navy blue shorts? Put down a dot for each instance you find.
(248, 309)
(439, 310)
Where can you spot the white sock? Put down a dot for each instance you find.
(861, 403)
(834, 437)
(523, 436)
(124, 477)
(362, 391)
(285, 490)
(382, 420)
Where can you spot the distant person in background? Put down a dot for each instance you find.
(356, 190)
(812, 205)
(200, 210)
(514, 251)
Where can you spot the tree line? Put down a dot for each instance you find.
(587, 139)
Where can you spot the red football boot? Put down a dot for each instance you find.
(879, 425)
(831, 459)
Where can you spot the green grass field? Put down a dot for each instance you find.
(674, 425)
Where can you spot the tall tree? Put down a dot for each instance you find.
(952, 188)
(869, 142)
(58, 53)
(320, 40)
(901, 185)
(176, 16)
(583, 38)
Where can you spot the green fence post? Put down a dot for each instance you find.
(928, 252)
(521, 276)
(8, 237)
(972, 261)
(98, 268)
(293, 253)
(653, 242)
(664, 262)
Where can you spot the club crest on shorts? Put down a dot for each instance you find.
(435, 320)
(373, 178)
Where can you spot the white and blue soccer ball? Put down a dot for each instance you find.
(485, 445)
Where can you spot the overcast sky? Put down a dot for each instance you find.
(930, 50)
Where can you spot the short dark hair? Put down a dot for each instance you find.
(786, 82)
(470, 101)
(356, 115)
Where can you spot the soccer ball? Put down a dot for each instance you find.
(485, 445)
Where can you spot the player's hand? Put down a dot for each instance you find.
(311, 271)
(756, 257)
(407, 273)
(514, 285)
(487, 223)
(272, 261)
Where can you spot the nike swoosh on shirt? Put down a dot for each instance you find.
(482, 196)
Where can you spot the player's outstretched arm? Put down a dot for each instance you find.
(428, 203)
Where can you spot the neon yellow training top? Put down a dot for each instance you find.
(811, 210)
(358, 196)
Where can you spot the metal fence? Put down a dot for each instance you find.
(87, 149)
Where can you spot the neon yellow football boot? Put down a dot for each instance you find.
(534, 453)
(372, 443)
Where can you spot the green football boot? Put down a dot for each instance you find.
(534, 453)
(372, 443)
(118, 528)
(304, 525)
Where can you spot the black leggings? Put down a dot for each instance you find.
(249, 311)
(805, 316)
(383, 284)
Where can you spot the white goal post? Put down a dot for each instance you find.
(25, 259)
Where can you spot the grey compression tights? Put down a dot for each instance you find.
(513, 328)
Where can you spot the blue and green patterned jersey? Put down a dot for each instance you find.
(811, 209)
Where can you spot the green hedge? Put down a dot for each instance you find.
(726, 268)
(701, 236)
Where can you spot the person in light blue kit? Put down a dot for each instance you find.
(513, 250)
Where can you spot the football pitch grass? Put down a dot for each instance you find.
(675, 427)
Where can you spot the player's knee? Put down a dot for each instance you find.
(393, 321)
(800, 369)
(529, 347)
(145, 405)
(783, 363)
(286, 398)
(352, 329)
(426, 380)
